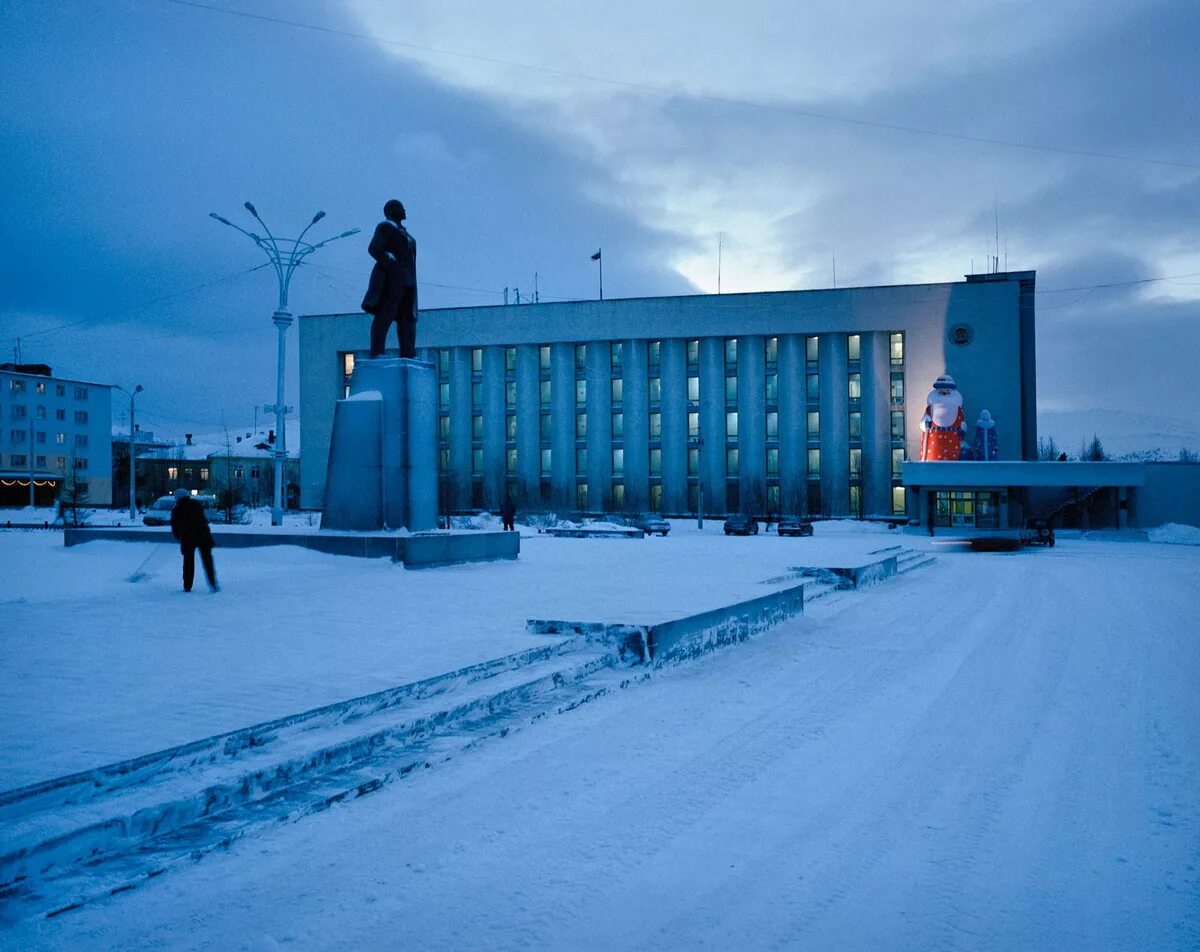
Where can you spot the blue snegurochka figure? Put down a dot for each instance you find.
(984, 447)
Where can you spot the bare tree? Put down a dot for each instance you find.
(1047, 449)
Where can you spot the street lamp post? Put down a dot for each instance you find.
(285, 255)
(132, 453)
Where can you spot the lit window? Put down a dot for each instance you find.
(693, 352)
(581, 391)
(444, 394)
(655, 462)
(814, 424)
(40, 388)
(618, 389)
(618, 426)
(510, 461)
(855, 463)
(897, 388)
(854, 347)
(731, 350)
(544, 357)
(510, 394)
(655, 390)
(510, 427)
(172, 472)
(654, 352)
(731, 462)
(897, 425)
(731, 389)
(476, 360)
(898, 501)
(856, 501)
(773, 461)
(731, 424)
(897, 348)
(814, 464)
(813, 387)
(443, 363)
(772, 425)
(655, 426)
(772, 388)
(810, 349)
(854, 386)
(347, 365)
(693, 389)
(855, 425)
(546, 460)
(238, 472)
(581, 497)
(204, 473)
(693, 426)
(615, 356)
(618, 462)
(580, 426)
(772, 349)
(897, 462)
(16, 386)
(510, 359)
(544, 393)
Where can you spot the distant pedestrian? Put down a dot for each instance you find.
(190, 527)
(508, 512)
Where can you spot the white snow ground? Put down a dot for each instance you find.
(998, 752)
(96, 669)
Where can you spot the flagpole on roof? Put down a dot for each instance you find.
(599, 258)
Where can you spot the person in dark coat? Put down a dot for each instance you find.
(392, 290)
(190, 527)
(508, 512)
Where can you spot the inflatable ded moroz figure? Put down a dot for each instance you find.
(942, 427)
(984, 447)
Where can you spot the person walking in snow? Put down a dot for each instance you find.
(984, 447)
(508, 512)
(190, 527)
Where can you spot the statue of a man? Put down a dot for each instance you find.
(392, 291)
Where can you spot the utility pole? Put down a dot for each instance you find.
(132, 452)
(599, 257)
(31, 451)
(285, 254)
(699, 482)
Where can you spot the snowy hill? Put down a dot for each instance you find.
(1122, 433)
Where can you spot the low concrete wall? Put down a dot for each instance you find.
(423, 550)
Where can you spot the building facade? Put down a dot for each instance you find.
(55, 433)
(236, 467)
(794, 402)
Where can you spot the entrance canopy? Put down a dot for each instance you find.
(1003, 474)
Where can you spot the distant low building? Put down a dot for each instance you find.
(56, 434)
(144, 443)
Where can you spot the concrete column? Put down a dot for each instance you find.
(1122, 507)
(637, 440)
(752, 424)
(528, 439)
(793, 458)
(460, 428)
(876, 424)
(599, 426)
(1004, 514)
(673, 373)
(835, 448)
(562, 421)
(712, 424)
(493, 427)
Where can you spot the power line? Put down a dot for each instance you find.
(699, 97)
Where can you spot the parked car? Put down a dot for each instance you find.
(1040, 532)
(159, 514)
(741, 525)
(795, 527)
(650, 523)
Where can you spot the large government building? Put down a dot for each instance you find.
(790, 402)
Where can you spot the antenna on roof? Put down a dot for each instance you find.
(833, 255)
(720, 243)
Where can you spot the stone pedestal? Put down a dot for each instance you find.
(383, 452)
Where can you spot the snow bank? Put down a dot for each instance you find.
(1176, 533)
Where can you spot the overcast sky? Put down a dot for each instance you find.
(523, 136)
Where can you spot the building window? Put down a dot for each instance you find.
(693, 462)
(810, 349)
(693, 391)
(693, 352)
(772, 388)
(618, 495)
(693, 426)
(19, 459)
(655, 423)
(510, 427)
(510, 461)
(581, 426)
(581, 459)
(814, 464)
(731, 352)
(618, 462)
(477, 426)
(81, 439)
(772, 349)
(772, 499)
(60, 415)
(60, 438)
(814, 424)
(618, 389)
(855, 424)
(618, 426)
(772, 425)
(544, 357)
(731, 389)
(544, 429)
(897, 462)
(544, 393)
(812, 388)
(899, 503)
(897, 349)
(855, 463)
(347, 365)
(546, 459)
(733, 496)
(19, 411)
(897, 425)
(615, 357)
(444, 461)
(444, 428)
(443, 361)
(655, 388)
(40, 388)
(60, 462)
(581, 496)
(854, 386)
(580, 392)
(897, 388)
(476, 360)
(772, 461)
(581, 356)
(510, 360)
(16, 386)
(477, 394)
(856, 501)
(731, 425)
(854, 348)
(731, 462)
(693, 498)
(40, 413)
(654, 353)
(81, 462)
(656, 497)
(172, 472)
(81, 393)
(204, 473)
(443, 394)
(510, 394)
(60, 390)
(656, 462)
(255, 473)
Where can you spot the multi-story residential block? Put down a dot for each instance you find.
(55, 433)
(803, 402)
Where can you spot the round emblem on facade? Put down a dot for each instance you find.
(961, 334)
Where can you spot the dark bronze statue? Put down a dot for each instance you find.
(392, 291)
